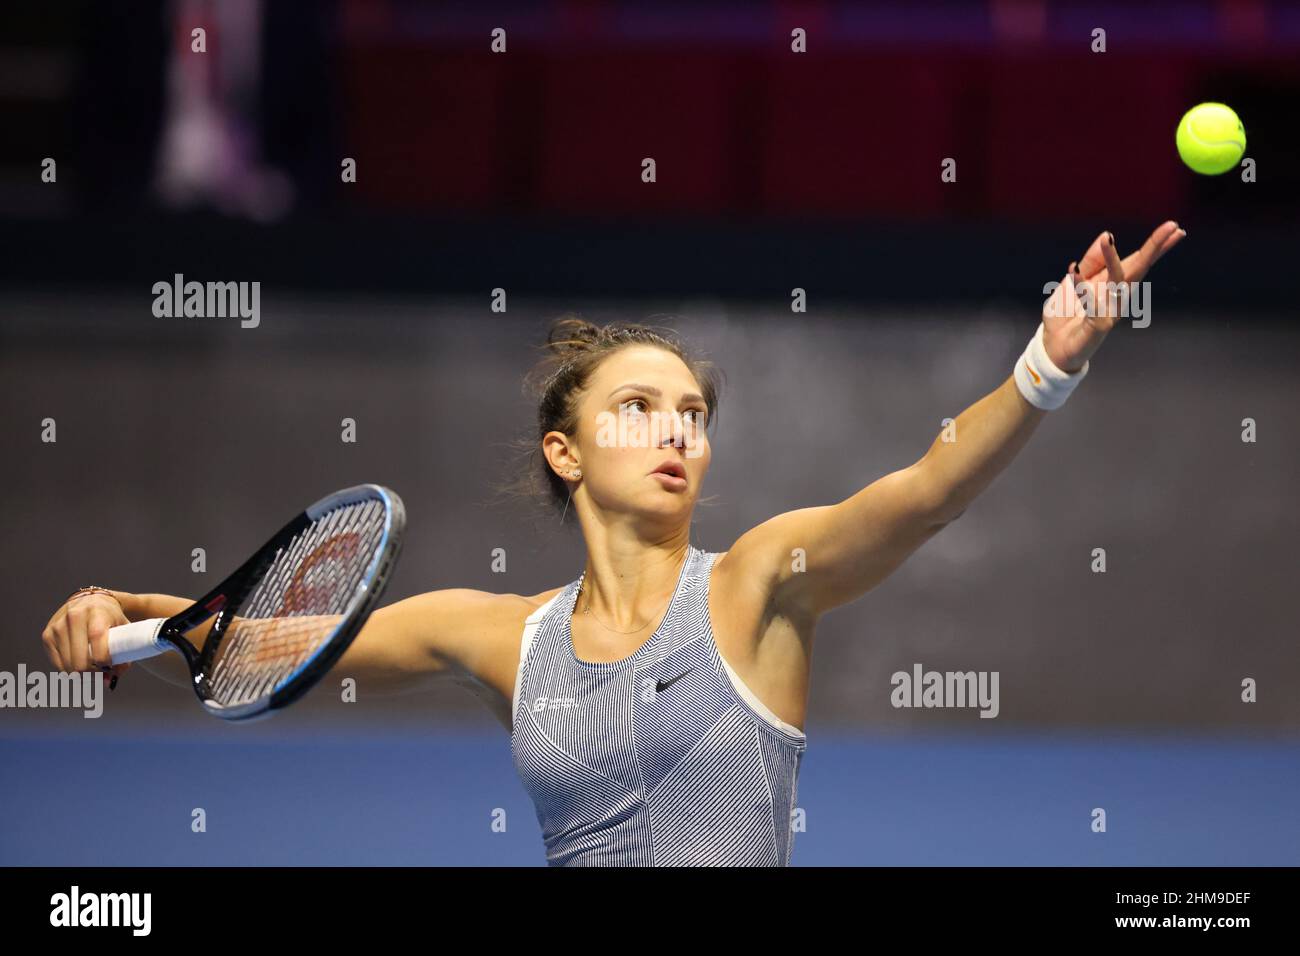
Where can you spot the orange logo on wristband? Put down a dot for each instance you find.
(1037, 380)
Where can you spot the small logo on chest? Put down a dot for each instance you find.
(554, 703)
(663, 685)
(650, 688)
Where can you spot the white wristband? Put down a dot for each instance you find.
(1043, 384)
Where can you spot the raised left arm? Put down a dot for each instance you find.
(814, 559)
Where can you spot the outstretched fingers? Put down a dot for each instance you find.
(1093, 261)
(1114, 286)
(1165, 236)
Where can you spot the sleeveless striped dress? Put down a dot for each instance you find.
(664, 758)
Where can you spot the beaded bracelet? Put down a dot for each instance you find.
(91, 589)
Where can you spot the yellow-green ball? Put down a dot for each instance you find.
(1211, 139)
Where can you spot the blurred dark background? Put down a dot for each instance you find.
(520, 171)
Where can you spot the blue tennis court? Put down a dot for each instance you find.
(430, 799)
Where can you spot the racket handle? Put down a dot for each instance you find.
(136, 641)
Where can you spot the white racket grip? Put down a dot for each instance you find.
(136, 641)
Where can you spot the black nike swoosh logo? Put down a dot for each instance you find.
(663, 685)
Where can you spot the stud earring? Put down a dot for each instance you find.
(576, 473)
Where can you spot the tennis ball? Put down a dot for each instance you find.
(1211, 139)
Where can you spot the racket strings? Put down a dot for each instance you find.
(265, 650)
(323, 581)
(298, 603)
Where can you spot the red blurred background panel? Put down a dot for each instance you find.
(427, 131)
(849, 135)
(1073, 137)
(601, 115)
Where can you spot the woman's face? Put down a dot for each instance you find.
(642, 408)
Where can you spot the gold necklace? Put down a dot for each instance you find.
(587, 610)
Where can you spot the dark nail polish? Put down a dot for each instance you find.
(1112, 237)
(112, 685)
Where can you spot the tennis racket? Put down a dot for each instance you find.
(288, 613)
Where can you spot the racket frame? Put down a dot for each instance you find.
(230, 594)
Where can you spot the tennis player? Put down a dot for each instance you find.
(656, 703)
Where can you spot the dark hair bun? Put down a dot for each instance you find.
(571, 333)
